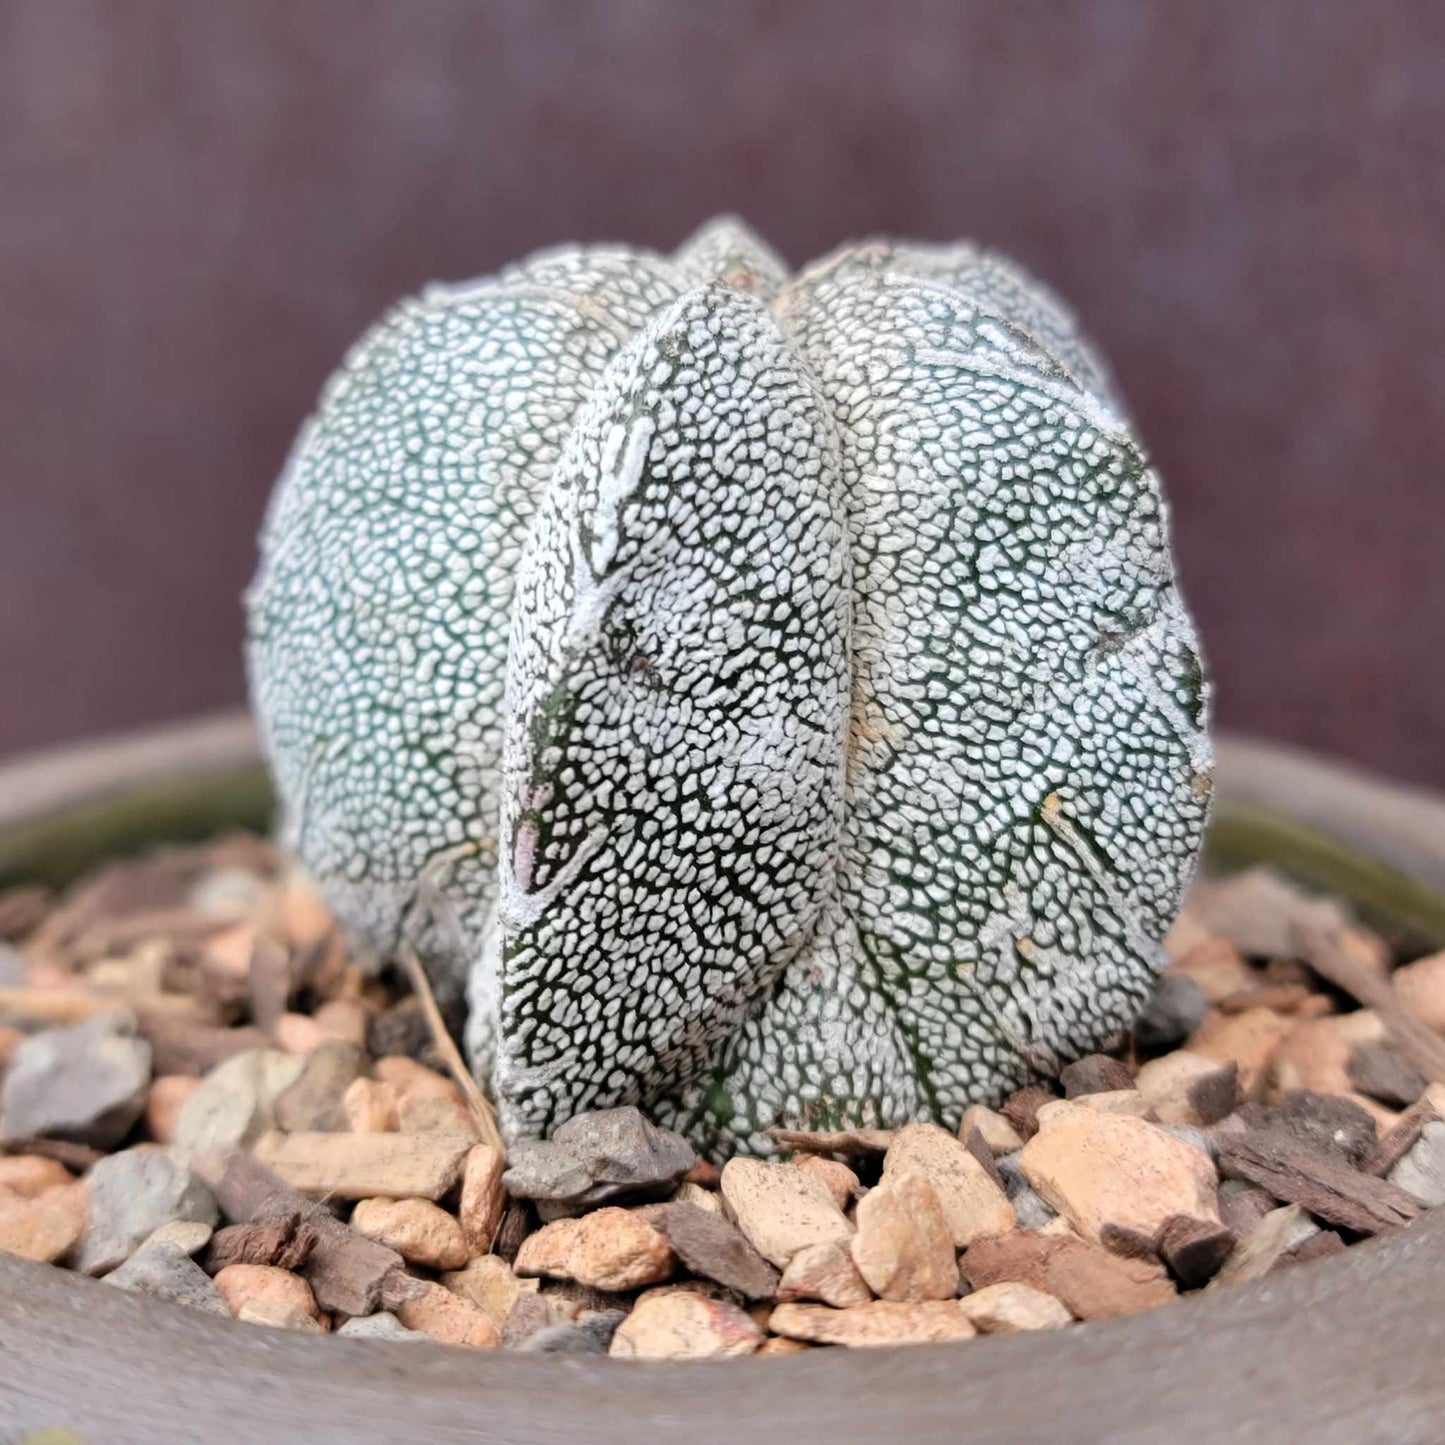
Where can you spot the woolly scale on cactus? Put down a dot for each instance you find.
(765, 699)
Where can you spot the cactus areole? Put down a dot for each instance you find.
(765, 699)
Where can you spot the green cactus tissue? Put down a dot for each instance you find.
(764, 699)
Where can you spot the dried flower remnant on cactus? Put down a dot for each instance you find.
(767, 699)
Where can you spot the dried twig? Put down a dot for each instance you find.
(479, 1106)
(1348, 963)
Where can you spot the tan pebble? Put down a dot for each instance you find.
(358, 1166)
(190, 1236)
(164, 1100)
(1315, 1055)
(277, 1315)
(229, 951)
(1218, 968)
(780, 1208)
(414, 1079)
(302, 915)
(1164, 1084)
(1249, 1039)
(1006, 1309)
(610, 1248)
(1056, 1228)
(419, 1231)
(1115, 1101)
(345, 1019)
(780, 1346)
(489, 1283)
(824, 1272)
(46, 1227)
(1420, 987)
(1000, 1136)
(690, 1193)
(28, 1175)
(841, 1181)
(370, 1106)
(881, 1323)
(245, 1284)
(973, 1204)
(298, 1034)
(420, 1115)
(680, 1324)
(1099, 1169)
(483, 1198)
(448, 1318)
(903, 1246)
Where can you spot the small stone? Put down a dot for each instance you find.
(1383, 1073)
(489, 1283)
(1170, 1083)
(45, 1227)
(85, 1083)
(1094, 1074)
(1421, 1172)
(1000, 1136)
(431, 1116)
(1022, 1109)
(880, 1323)
(1195, 1138)
(1248, 1039)
(346, 1019)
(29, 1175)
(971, 1200)
(776, 1345)
(298, 1034)
(1258, 911)
(1011, 1308)
(358, 1166)
(528, 1315)
(190, 1236)
(251, 1284)
(1107, 1101)
(1316, 1054)
(1420, 987)
(314, 1101)
(696, 1195)
(1216, 968)
(842, 1182)
(1099, 1169)
(277, 1315)
(483, 1199)
(448, 1318)
(1031, 1209)
(381, 1326)
(779, 1208)
(710, 1246)
(1193, 1249)
(610, 1248)
(824, 1272)
(235, 1103)
(416, 1229)
(164, 1100)
(1175, 1009)
(134, 1193)
(682, 1324)
(589, 1335)
(597, 1157)
(401, 1030)
(371, 1107)
(1092, 1283)
(903, 1246)
(166, 1272)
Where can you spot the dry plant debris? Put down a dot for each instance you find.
(208, 1099)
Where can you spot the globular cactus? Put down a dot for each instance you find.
(768, 699)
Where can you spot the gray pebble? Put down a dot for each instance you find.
(133, 1194)
(1175, 1009)
(1422, 1171)
(589, 1335)
(166, 1272)
(380, 1326)
(1032, 1210)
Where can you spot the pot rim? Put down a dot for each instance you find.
(1345, 1350)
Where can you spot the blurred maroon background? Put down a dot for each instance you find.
(202, 204)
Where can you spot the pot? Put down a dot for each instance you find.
(1346, 1350)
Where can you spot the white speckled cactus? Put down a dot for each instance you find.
(770, 699)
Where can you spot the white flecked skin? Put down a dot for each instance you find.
(770, 699)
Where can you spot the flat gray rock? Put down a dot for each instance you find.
(1422, 1171)
(380, 1326)
(166, 1272)
(589, 1335)
(597, 1157)
(133, 1194)
(712, 1247)
(85, 1083)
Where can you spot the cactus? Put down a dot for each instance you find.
(766, 700)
